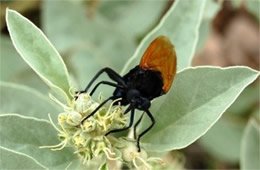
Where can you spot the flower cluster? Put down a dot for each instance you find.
(88, 138)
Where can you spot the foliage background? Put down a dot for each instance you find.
(107, 34)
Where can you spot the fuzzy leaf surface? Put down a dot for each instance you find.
(21, 99)
(14, 160)
(38, 52)
(26, 134)
(198, 98)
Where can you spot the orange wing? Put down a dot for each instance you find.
(160, 56)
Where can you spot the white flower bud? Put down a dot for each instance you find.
(130, 153)
(74, 118)
(83, 103)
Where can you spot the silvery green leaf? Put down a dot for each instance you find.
(38, 52)
(27, 101)
(197, 99)
(15, 160)
(26, 134)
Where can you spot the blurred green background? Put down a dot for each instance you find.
(94, 34)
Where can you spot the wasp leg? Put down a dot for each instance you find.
(111, 74)
(94, 111)
(107, 83)
(146, 130)
(136, 124)
(130, 123)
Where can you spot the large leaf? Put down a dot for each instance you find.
(10, 159)
(196, 101)
(26, 135)
(181, 25)
(38, 52)
(21, 99)
(250, 146)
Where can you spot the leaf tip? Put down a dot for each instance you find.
(8, 10)
(7, 13)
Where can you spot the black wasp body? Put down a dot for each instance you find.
(136, 89)
(141, 87)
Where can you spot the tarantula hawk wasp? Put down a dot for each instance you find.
(152, 78)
